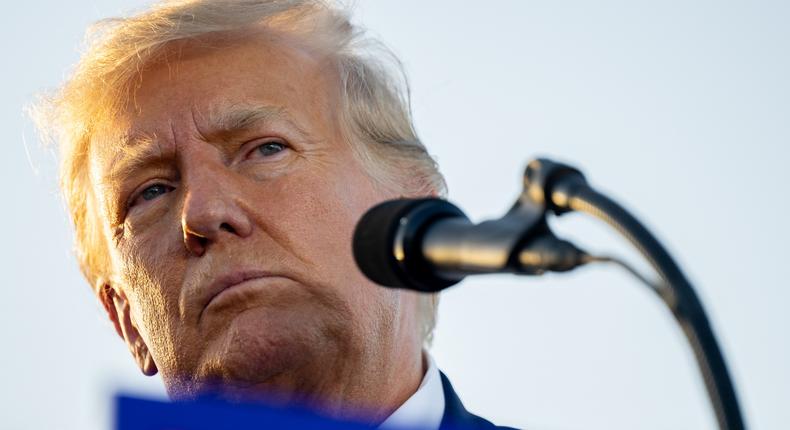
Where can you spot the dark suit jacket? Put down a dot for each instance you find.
(456, 417)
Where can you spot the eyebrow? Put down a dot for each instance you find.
(134, 153)
(225, 121)
(240, 117)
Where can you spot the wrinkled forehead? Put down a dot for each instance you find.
(222, 80)
(210, 74)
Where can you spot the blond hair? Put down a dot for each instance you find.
(375, 112)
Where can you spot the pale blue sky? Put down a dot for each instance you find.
(679, 109)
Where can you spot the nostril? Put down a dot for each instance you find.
(227, 227)
(195, 244)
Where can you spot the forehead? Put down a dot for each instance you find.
(208, 81)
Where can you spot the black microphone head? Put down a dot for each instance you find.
(388, 243)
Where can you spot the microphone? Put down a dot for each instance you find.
(429, 244)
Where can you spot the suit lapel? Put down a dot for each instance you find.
(455, 414)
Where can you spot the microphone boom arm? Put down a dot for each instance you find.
(562, 189)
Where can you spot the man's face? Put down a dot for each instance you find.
(230, 199)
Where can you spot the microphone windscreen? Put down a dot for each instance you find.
(374, 241)
(388, 243)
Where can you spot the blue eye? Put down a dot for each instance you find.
(154, 191)
(151, 192)
(270, 148)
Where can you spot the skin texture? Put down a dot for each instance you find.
(229, 164)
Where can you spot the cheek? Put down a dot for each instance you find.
(335, 209)
(313, 214)
(150, 268)
(152, 251)
(324, 213)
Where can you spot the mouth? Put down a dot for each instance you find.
(230, 281)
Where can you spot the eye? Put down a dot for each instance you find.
(149, 193)
(269, 149)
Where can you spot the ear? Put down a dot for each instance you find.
(117, 306)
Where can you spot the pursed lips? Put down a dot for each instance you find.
(227, 281)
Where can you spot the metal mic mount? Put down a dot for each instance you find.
(560, 189)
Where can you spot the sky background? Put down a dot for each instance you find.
(680, 110)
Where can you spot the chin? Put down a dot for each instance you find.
(264, 355)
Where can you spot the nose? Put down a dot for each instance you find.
(212, 211)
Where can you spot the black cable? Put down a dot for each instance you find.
(573, 193)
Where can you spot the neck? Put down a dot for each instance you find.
(388, 375)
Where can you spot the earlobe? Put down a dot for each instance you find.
(117, 306)
(144, 360)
